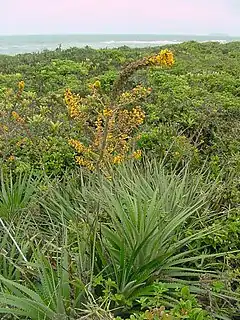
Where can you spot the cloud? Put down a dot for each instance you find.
(122, 16)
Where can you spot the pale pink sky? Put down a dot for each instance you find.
(120, 16)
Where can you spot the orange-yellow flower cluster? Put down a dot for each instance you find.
(112, 137)
(84, 151)
(81, 161)
(130, 119)
(73, 104)
(137, 93)
(11, 158)
(118, 159)
(21, 85)
(164, 58)
(107, 112)
(137, 154)
(78, 146)
(17, 117)
(138, 115)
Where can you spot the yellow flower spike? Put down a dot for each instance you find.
(21, 85)
(72, 103)
(77, 145)
(85, 163)
(80, 161)
(113, 126)
(138, 115)
(163, 58)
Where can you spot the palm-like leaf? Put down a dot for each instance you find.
(15, 247)
(49, 293)
(16, 193)
(148, 211)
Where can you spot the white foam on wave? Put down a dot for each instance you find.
(157, 42)
(220, 41)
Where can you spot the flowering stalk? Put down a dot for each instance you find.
(113, 136)
(104, 143)
(164, 58)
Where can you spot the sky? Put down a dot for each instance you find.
(120, 16)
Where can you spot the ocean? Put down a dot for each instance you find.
(12, 45)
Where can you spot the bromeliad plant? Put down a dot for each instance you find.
(144, 240)
(142, 217)
(110, 121)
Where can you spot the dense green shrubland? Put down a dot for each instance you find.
(193, 108)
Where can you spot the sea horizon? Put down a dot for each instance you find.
(17, 44)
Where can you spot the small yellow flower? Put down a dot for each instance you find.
(11, 158)
(109, 136)
(137, 93)
(118, 159)
(137, 154)
(15, 114)
(107, 112)
(5, 128)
